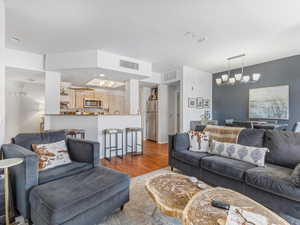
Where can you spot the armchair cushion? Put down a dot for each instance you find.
(26, 140)
(62, 171)
(84, 151)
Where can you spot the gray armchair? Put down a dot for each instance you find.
(84, 156)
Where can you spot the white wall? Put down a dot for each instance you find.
(173, 90)
(132, 93)
(52, 92)
(23, 111)
(162, 136)
(2, 72)
(194, 83)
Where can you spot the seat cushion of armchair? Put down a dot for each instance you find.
(62, 171)
(226, 167)
(189, 157)
(61, 200)
(275, 180)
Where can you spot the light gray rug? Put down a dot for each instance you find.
(140, 207)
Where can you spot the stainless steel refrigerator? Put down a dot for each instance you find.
(151, 120)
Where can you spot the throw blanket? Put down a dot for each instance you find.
(223, 134)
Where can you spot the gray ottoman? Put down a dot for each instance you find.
(82, 199)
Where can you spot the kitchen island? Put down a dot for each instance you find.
(92, 124)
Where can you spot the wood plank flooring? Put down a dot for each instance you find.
(155, 157)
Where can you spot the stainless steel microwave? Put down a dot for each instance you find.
(91, 103)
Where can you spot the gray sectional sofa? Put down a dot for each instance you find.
(271, 185)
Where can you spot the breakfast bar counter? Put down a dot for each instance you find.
(92, 124)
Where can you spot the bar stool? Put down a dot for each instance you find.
(113, 148)
(134, 145)
(74, 132)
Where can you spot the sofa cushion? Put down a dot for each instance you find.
(226, 167)
(284, 148)
(26, 140)
(189, 157)
(273, 179)
(61, 200)
(59, 172)
(181, 141)
(252, 137)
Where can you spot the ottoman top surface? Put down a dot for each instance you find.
(72, 195)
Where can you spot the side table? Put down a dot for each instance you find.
(5, 164)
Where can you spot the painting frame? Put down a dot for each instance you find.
(192, 102)
(206, 103)
(269, 103)
(199, 103)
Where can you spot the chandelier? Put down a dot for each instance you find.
(238, 78)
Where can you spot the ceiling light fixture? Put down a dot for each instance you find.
(96, 82)
(101, 75)
(238, 78)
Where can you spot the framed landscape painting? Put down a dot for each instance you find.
(269, 103)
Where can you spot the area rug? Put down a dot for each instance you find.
(140, 207)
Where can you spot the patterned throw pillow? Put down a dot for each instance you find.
(52, 154)
(244, 153)
(199, 141)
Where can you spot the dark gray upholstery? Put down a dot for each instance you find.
(230, 168)
(26, 175)
(192, 158)
(59, 172)
(284, 148)
(181, 141)
(252, 137)
(271, 186)
(27, 139)
(274, 179)
(60, 201)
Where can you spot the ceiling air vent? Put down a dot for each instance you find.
(170, 76)
(129, 65)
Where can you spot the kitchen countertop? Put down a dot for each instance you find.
(90, 115)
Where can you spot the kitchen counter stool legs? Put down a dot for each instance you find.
(133, 146)
(113, 133)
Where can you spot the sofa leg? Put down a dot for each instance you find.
(122, 207)
(172, 168)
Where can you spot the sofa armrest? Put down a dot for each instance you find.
(84, 151)
(23, 176)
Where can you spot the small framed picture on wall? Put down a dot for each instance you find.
(192, 102)
(199, 103)
(206, 103)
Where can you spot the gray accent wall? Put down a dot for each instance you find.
(233, 101)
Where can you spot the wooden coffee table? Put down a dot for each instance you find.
(171, 192)
(200, 212)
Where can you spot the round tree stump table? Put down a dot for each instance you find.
(199, 210)
(171, 192)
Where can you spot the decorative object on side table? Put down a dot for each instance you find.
(171, 192)
(5, 164)
(199, 211)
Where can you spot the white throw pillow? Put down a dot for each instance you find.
(253, 155)
(204, 143)
(194, 143)
(52, 154)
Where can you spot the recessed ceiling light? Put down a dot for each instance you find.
(101, 75)
(15, 39)
(96, 82)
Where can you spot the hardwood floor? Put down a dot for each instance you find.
(155, 157)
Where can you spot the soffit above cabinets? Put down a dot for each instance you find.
(108, 63)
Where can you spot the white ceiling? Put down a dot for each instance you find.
(153, 30)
